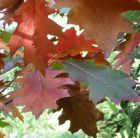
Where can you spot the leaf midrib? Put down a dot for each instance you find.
(89, 74)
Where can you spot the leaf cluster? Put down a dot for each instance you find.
(66, 69)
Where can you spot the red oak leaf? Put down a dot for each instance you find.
(39, 92)
(31, 33)
(101, 19)
(73, 44)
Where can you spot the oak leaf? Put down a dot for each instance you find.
(39, 92)
(31, 33)
(81, 112)
(73, 44)
(102, 81)
(101, 19)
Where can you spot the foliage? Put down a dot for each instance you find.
(51, 61)
(121, 121)
(46, 125)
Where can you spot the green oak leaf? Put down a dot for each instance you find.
(101, 80)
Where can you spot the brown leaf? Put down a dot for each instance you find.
(80, 111)
(101, 19)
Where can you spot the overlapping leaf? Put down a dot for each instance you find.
(101, 20)
(74, 44)
(80, 111)
(31, 33)
(102, 81)
(39, 92)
